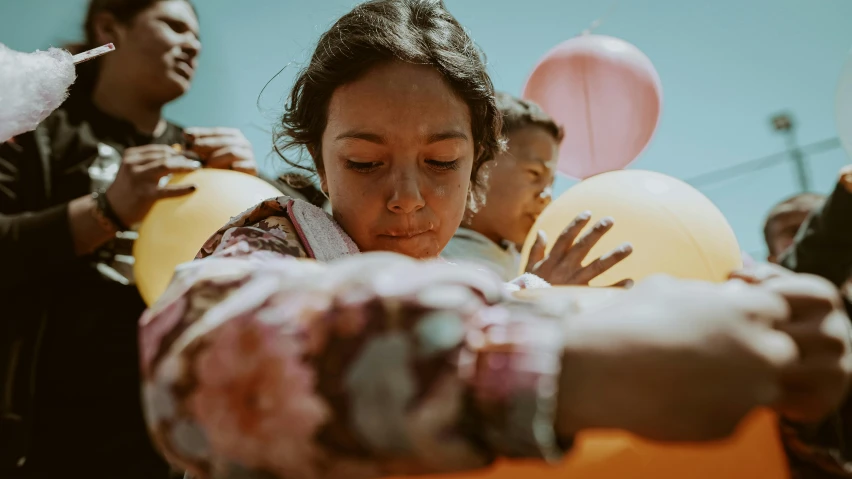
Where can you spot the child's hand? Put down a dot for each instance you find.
(564, 263)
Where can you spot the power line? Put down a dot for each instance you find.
(758, 164)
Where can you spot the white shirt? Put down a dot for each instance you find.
(472, 247)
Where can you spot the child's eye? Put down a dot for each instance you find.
(362, 167)
(443, 165)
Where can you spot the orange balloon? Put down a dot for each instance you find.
(755, 451)
(175, 229)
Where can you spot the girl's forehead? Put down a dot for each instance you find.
(397, 98)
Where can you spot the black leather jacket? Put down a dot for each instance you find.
(823, 247)
(69, 387)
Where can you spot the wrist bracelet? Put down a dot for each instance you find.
(105, 210)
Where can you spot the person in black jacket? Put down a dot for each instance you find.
(70, 194)
(823, 244)
(823, 247)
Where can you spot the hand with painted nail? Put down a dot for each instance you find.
(137, 184)
(564, 264)
(222, 148)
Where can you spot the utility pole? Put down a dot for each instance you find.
(783, 124)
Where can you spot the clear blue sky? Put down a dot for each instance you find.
(725, 65)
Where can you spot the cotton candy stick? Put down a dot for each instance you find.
(93, 53)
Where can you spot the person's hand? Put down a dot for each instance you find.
(222, 148)
(815, 385)
(674, 360)
(846, 177)
(137, 184)
(564, 263)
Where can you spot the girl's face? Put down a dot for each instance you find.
(397, 154)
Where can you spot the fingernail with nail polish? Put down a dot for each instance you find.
(625, 248)
(585, 215)
(607, 221)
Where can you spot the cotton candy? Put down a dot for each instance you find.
(32, 85)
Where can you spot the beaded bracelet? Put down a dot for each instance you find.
(104, 213)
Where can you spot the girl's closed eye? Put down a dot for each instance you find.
(443, 165)
(363, 166)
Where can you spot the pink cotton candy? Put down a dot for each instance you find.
(33, 85)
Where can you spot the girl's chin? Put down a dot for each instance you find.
(423, 246)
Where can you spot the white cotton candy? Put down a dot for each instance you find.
(32, 85)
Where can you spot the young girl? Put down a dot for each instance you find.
(284, 352)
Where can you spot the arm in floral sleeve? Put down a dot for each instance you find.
(259, 363)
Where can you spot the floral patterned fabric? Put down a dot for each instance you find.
(259, 362)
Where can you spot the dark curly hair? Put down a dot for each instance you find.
(421, 32)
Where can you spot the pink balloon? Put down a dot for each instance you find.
(606, 94)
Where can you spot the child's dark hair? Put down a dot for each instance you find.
(124, 11)
(414, 31)
(518, 113)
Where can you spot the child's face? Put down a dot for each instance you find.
(397, 157)
(519, 185)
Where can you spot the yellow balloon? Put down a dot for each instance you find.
(674, 229)
(176, 228)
